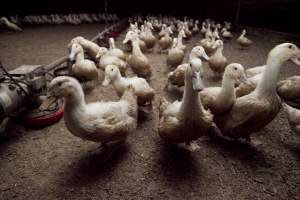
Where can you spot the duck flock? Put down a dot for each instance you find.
(13, 23)
(245, 102)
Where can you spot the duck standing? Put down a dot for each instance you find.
(254, 111)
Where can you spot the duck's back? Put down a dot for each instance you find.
(250, 113)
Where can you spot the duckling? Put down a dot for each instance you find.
(143, 91)
(82, 69)
(289, 89)
(217, 62)
(102, 122)
(175, 55)
(243, 41)
(166, 41)
(226, 34)
(113, 51)
(90, 47)
(186, 120)
(105, 58)
(176, 77)
(137, 60)
(220, 99)
(254, 111)
(11, 26)
(293, 117)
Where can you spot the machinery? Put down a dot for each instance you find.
(22, 89)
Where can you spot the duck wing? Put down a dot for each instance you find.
(112, 125)
(250, 113)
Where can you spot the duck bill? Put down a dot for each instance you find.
(197, 83)
(296, 59)
(205, 56)
(125, 40)
(106, 81)
(72, 56)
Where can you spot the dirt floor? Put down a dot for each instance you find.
(53, 164)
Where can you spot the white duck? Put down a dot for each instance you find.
(254, 111)
(226, 34)
(137, 60)
(105, 58)
(176, 77)
(113, 51)
(243, 41)
(11, 26)
(217, 62)
(141, 87)
(220, 99)
(181, 35)
(175, 55)
(102, 122)
(185, 121)
(82, 69)
(90, 47)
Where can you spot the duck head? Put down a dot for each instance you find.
(101, 52)
(75, 49)
(182, 33)
(77, 39)
(236, 72)
(193, 72)
(131, 35)
(217, 44)
(111, 73)
(63, 87)
(286, 51)
(200, 52)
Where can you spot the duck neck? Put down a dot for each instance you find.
(191, 105)
(270, 76)
(75, 102)
(136, 47)
(193, 56)
(219, 51)
(179, 40)
(119, 80)
(227, 89)
(79, 56)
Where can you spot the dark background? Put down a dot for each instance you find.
(281, 15)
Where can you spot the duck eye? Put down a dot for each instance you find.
(59, 84)
(235, 68)
(290, 46)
